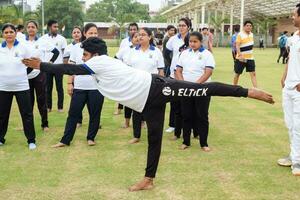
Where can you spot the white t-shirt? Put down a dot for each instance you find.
(68, 49)
(82, 82)
(173, 44)
(38, 48)
(293, 73)
(194, 63)
(20, 36)
(150, 60)
(59, 42)
(121, 54)
(13, 73)
(126, 42)
(119, 82)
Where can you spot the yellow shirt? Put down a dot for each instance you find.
(246, 45)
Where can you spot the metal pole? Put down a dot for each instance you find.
(43, 18)
(242, 13)
(231, 20)
(202, 15)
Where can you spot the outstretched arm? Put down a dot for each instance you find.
(70, 69)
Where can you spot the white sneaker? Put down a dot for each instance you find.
(285, 162)
(170, 129)
(1, 144)
(296, 169)
(32, 146)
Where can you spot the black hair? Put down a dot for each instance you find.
(198, 35)
(133, 24)
(248, 22)
(298, 9)
(19, 27)
(205, 28)
(236, 29)
(9, 25)
(149, 33)
(94, 45)
(285, 32)
(51, 22)
(88, 26)
(34, 22)
(169, 27)
(187, 21)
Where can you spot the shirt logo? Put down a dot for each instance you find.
(200, 57)
(16, 54)
(150, 56)
(167, 91)
(185, 92)
(36, 46)
(56, 44)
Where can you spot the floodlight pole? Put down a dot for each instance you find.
(242, 13)
(43, 17)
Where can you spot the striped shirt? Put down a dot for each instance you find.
(246, 45)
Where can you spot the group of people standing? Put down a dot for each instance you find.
(136, 80)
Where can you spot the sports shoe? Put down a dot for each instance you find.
(32, 146)
(1, 144)
(296, 169)
(60, 110)
(170, 129)
(285, 162)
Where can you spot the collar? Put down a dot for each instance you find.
(151, 47)
(4, 44)
(180, 37)
(35, 38)
(74, 43)
(51, 35)
(201, 49)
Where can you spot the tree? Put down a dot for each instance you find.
(14, 14)
(264, 24)
(217, 23)
(118, 11)
(68, 13)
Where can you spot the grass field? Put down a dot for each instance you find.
(246, 137)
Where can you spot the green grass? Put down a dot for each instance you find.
(246, 137)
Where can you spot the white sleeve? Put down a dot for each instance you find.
(169, 44)
(120, 54)
(67, 52)
(93, 65)
(180, 60)
(64, 43)
(123, 44)
(73, 55)
(127, 57)
(160, 60)
(210, 61)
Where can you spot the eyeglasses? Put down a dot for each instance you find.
(182, 25)
(143, 35)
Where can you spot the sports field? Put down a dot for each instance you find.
(246, 137)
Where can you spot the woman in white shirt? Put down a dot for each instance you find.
(38, 80)
(176, 45)
(145, 57)
(121, 54)
(83, 91)
(195, 65)
(14, 82)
